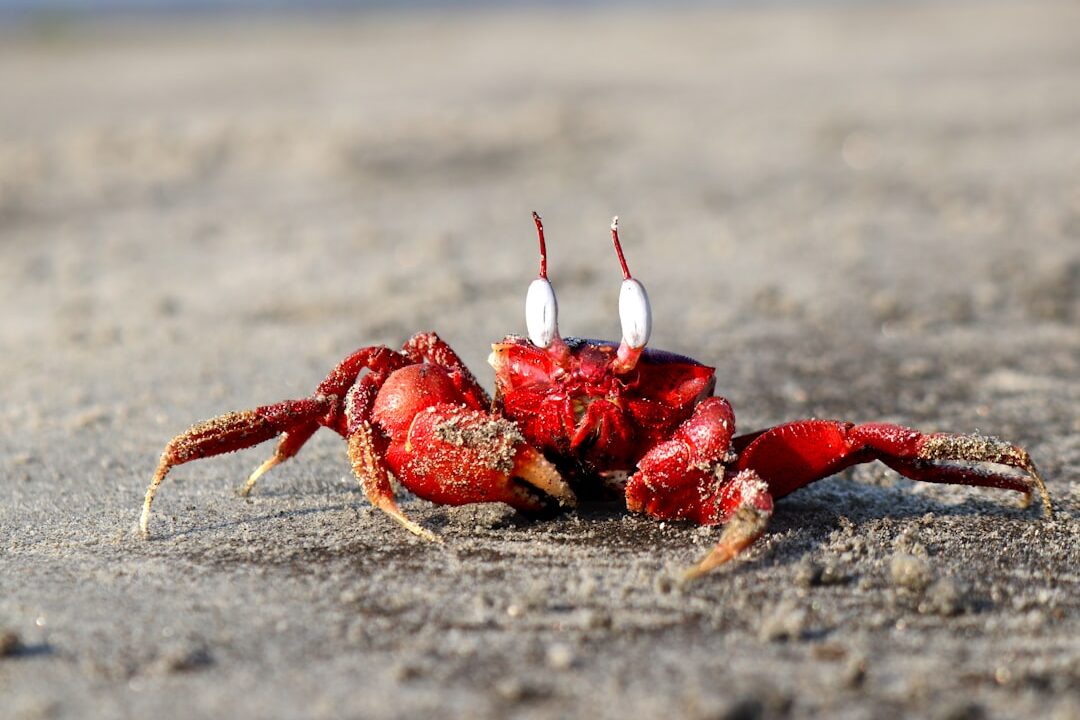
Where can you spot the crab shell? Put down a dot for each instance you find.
(571, 403)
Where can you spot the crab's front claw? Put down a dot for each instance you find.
(454, 455)
(667, 486)
(679, 478)
(747, 505)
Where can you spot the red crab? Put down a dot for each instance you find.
(568, 412)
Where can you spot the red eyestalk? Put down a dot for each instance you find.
(543, 246)
(618, 247)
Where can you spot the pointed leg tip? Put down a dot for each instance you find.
(1044, 500)
(719, 556)
(745, 526)
(691, 574)
(245, 491)
(388, 506)
(1039, 485)
(424, 534)
(1048, 507)
(1044, 494)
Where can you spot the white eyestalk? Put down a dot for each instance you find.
(635, 314)
(542, 313)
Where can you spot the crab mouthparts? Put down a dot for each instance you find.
(534, 481)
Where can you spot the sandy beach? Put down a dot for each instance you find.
(856, 212)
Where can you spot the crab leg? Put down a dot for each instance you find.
(295, 420)
(291, 442)
(378, 359)
(367, 449)
(747, 504)
(230, 432)
(796, 454)
(341, 378)
(684, 478)
(371, 472)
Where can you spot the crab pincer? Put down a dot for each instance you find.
(418, 415)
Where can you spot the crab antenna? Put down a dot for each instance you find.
(618, 247)
(543, 247)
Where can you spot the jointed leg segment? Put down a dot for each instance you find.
(429, 347)
(290, 444)
(796, 454)
(295, 420)
(749, 504)
(230, 432)
(370, 471)
(686, 478)
(343, 401)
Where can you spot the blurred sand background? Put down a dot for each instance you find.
(854, 211)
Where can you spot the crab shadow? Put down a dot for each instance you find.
(277, 515)
(805, 520)
(801, 524)
(26, 651)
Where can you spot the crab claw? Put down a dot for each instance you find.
(679, 479)
(746, 504)
(454, 455)
(532, 472)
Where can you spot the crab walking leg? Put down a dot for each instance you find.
(747, 504)
(367, 449)
(290, 444)
(370, 471)
(228, 433)
(795, 454)
(377, 358)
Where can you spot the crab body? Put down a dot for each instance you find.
(577, 410)
(571, 418)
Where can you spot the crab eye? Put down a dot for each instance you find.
(541, 307)
(541, 313)
(635, 314)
